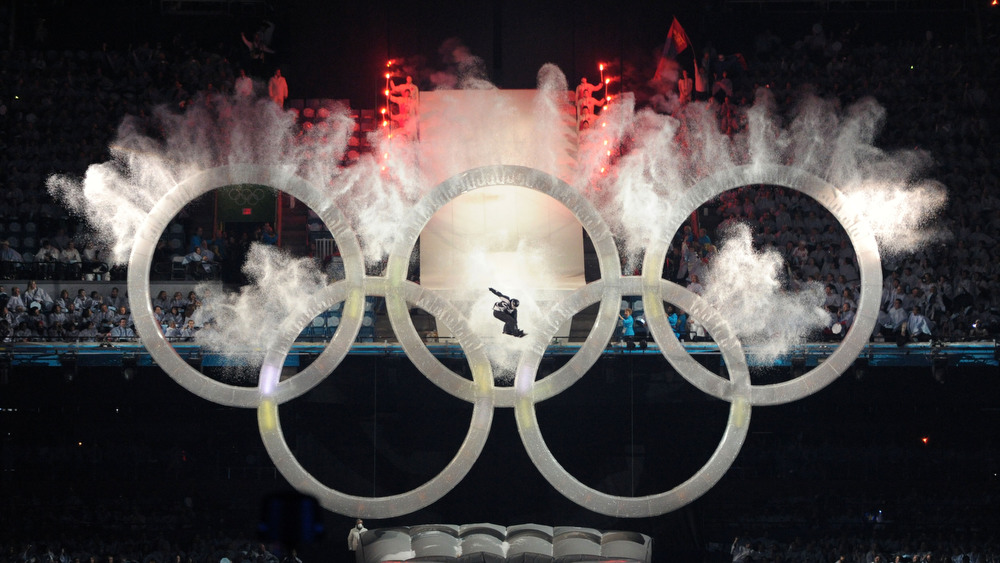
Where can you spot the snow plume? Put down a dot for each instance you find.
(641, 186)
(654, 158)
(548, 111)
(746, 286)
(887, 187)
(664, 86)
(116, 196)
(763, 139)
(244, 324)
(378, 191)
(705, 149)
(463, 70)
(902, 216)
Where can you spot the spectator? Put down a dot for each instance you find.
(685, 87)
(71, 260)
(172, 332)
(178, 301)
(162, 301)
(10, 260)
(122, 331)
(197, 264)
(918, 327)
(46, 258)
(244, 85)
(277, 88)
(88, 332)
(189, 330)
(268, 236)
(115, 299)
(35, 294)
(897, 317)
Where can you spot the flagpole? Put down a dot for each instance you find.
(694, 59)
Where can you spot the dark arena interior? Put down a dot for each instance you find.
(105, 457)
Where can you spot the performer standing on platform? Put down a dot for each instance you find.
(277, 88)
(354, 537)
(685, 86)
(586, 90)
(628, 327)
(506, 311)
(408, 86)
(407, 109)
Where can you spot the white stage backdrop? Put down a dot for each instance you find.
(511, 238)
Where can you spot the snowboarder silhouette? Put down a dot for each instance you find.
(506, 311)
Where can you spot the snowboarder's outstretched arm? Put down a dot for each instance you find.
(498, 294)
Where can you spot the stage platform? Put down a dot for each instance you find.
(875, 355)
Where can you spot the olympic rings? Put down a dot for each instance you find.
(245, 195)
(527, 391)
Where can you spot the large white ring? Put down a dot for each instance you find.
(141, 260)
(480, 391)
(869, 266)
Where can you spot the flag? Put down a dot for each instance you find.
(677, 42)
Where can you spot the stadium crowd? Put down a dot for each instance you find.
(59, 111)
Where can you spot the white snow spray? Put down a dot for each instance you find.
(656, 157)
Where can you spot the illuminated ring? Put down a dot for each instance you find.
(869, 266)
(504, 175)
(269, 422)
(141, 259)
(707, 476)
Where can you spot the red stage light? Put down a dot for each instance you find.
(925, 439)
(601, 66)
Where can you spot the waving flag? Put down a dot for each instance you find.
(677, 42)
